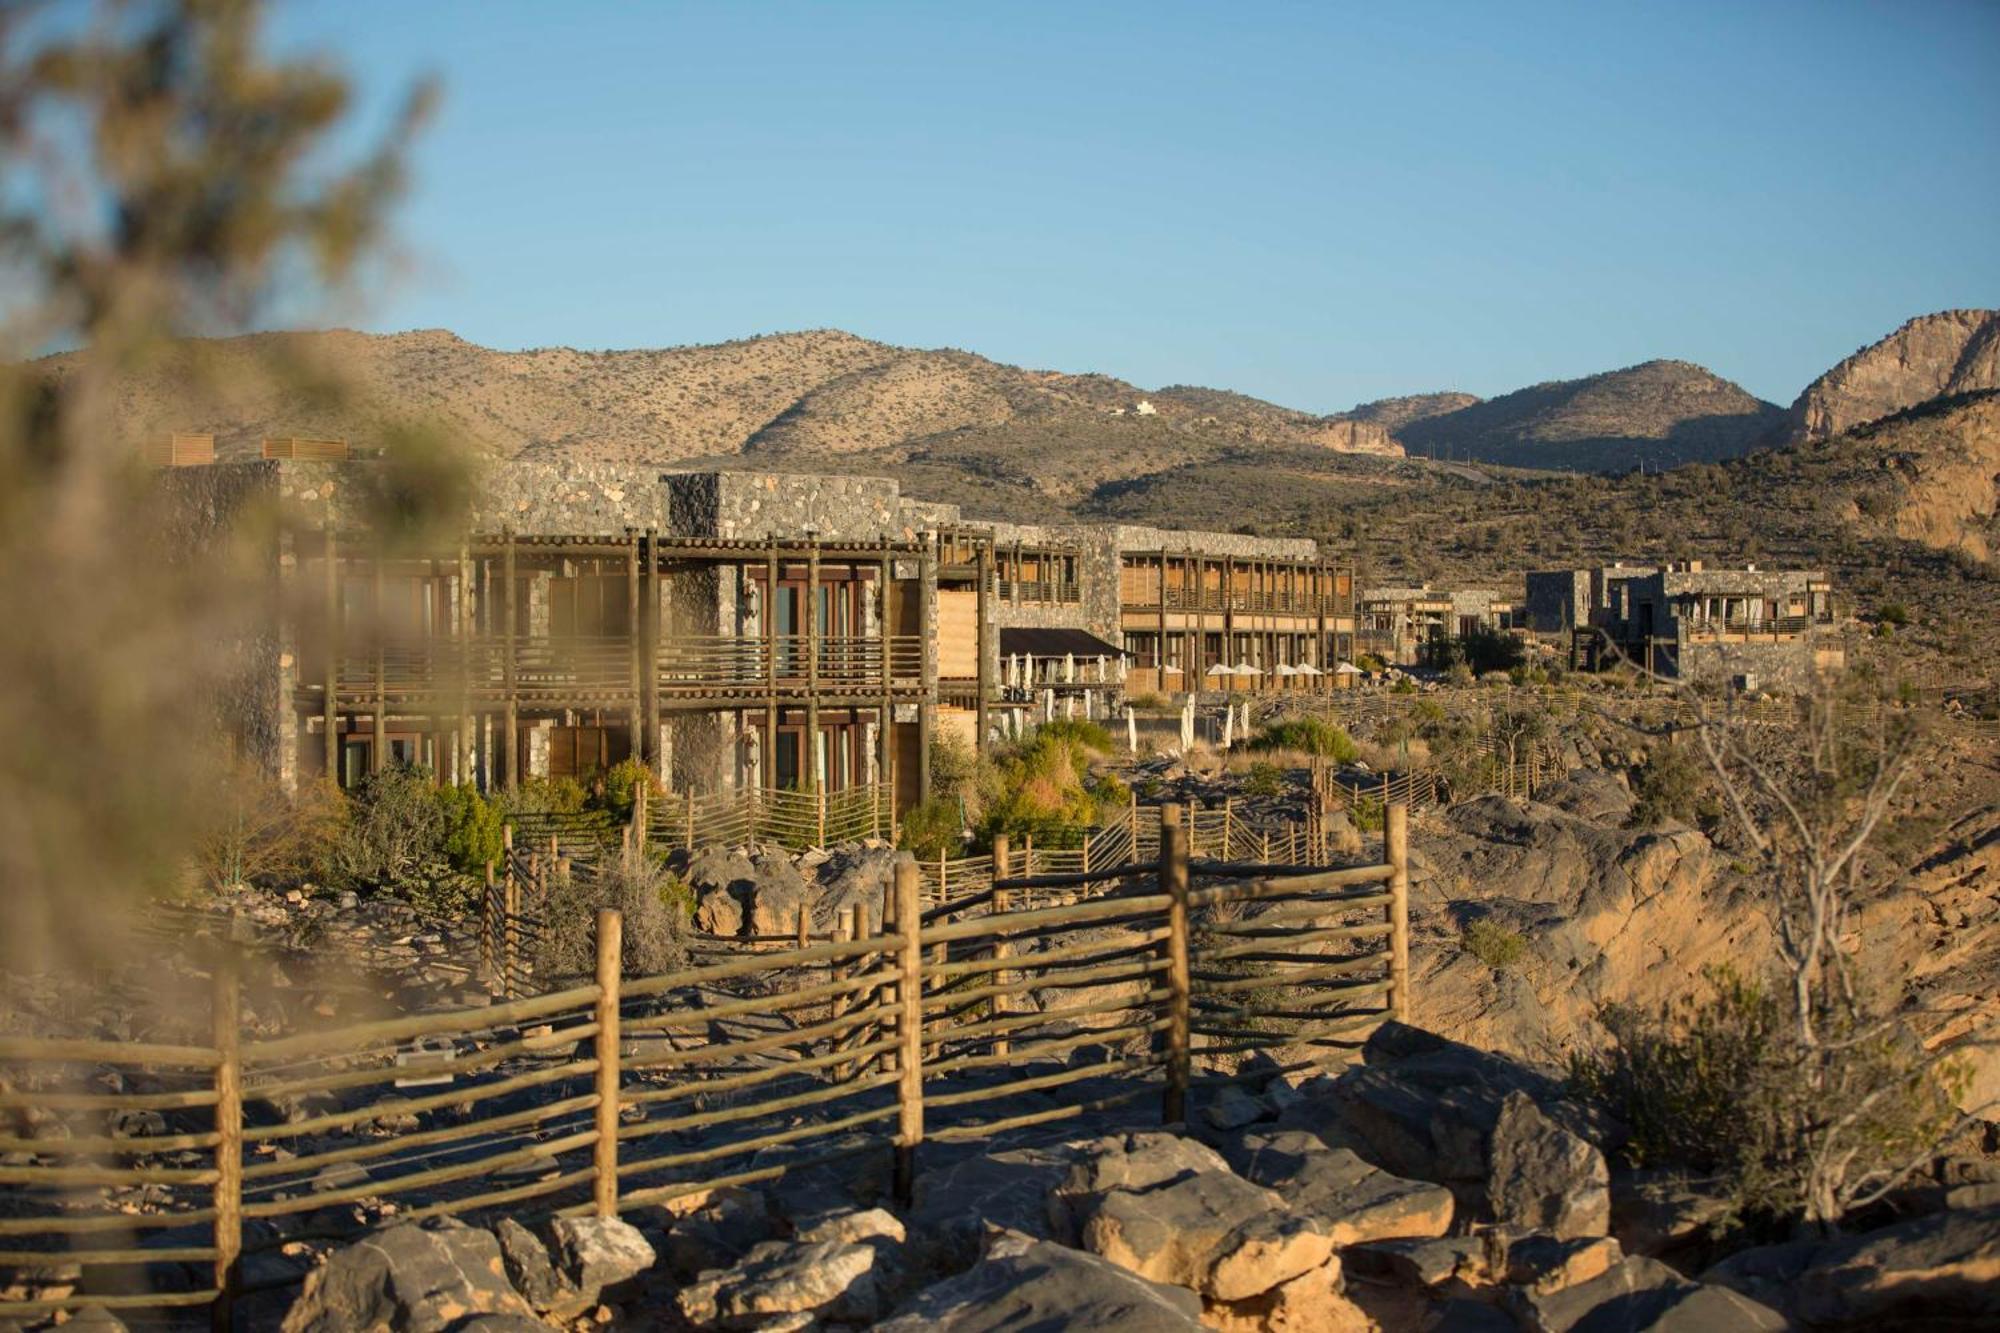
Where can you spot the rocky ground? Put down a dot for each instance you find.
(1432, 1186)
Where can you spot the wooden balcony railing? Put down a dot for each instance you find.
(1282, 603)
(850, 665)
(1037, 590)
(554, 668)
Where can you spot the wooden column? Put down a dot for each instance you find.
(1229, 609)
(225, 1017)
(604, 1153)
(378, 758)
(1163, 629)
(885, 727)
(812, 630)
(649, 649)
(985, 621)
(909, 1029)
(330, 705)
(1198, 638)
(509, 650)
(769, 778)
(1174, 883)
(637, 713)
(468, 759)
(927, 568)
(1396, 851)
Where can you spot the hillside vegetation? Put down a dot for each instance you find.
(1658, 414)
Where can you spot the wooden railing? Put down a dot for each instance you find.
(793, 819)
(789, 663)
(617, 1094)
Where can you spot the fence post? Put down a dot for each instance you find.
(1174, 883)
(1027, 853)
(1229, 828)
(225, 1017)
(488, 936)
(690, 819)
(1002, 947)
(805, 933)
(821, 812)
(510, 930)
(909, 1031)
(1396, 851)
(610, 956)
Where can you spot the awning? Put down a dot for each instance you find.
(1032, 642)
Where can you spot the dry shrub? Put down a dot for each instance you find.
(655, 906)
(253, 833)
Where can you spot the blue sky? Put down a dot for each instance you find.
(1316, 204)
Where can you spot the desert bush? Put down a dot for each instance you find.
(655, 905)
(546, 796)
(395, 828)
(1672, 784)
(933, 828)
(1720, 1084)
(256, 834)
(1493, 944)
(472, 826)
(621, 780)
(1264, 780)
(1044, 789)
(1366, 814)
(1308, 735)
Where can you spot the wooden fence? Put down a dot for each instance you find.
(795, 819)
(909, 1026)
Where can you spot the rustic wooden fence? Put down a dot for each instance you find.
(795, 819)
(1043, 998)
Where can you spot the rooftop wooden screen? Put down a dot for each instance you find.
(180, 451)
(315, 451)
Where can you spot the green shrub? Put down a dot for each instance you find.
(1893, 613)
(1493, 944)
(1372, 664)
(396, 827)
(1264, 780)
(1091, 736)
(1672, 784)
(472, 827)
(1307, 735)
(1147, 702)
(546, 796)
(933, 828)
(1366, 814)
(621, 780)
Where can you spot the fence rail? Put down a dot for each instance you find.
(617, 1093)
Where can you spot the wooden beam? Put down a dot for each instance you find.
(511, 742)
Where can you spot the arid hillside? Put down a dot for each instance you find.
(1947, 353)
(811, 396)
(1658, 414)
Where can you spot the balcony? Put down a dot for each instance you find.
(791, 666)
(1274, 603)
(1039, 591)
(446, 674)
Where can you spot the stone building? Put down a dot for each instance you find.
(730, 629)
(1748, 628)
(1396, 622)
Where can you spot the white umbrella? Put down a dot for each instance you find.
(1308, 669)
(1220, 669)
(1347, 669)
(1187, 727)
(1131, 730)
(1245, 669)
(1228, 726)
(1287, 669)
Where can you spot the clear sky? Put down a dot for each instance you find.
(1316, 204)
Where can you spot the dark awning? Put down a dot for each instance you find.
(1025, 642)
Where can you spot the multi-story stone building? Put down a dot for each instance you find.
(1396, 622)
(1749, 628)
(729, 629)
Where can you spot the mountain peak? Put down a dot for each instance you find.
(1946, 352)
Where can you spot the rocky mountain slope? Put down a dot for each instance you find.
(1660, 413)
(1392, 414)
(815, 395)
(1950, 352)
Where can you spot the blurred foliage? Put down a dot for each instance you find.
(161, 177)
